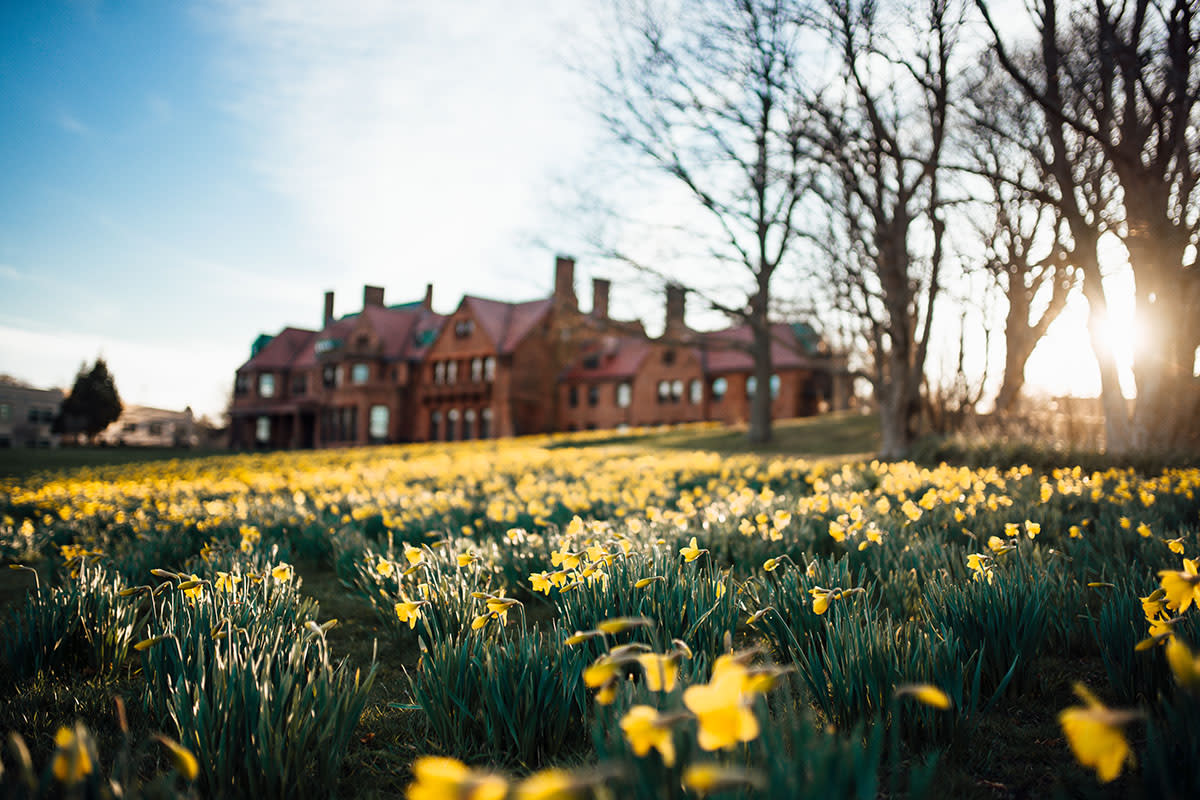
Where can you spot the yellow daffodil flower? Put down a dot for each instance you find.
(1094, 733)
(646, 729)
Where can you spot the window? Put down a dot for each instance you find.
(695, 391)
(591, 362)
(35, 415)
(719, 387)
(300, 383)
(360, 374)
(451, 371)
(593, 395)
(439, 372)
(752, 384)
(156, 429)
(573, 396)
(241, 387)
(378, 424)
(129, 427)
(485, 424)
(452, 425)
(676, 391)
(266, 385)
(668, 357)
(469, 424)
(262, 430)
(476, 370)
(339, 375)
(664, 391)
(624, 395)
(435, 426)
(5, 412)
(464, 328)
(489, 369)
(328, 376)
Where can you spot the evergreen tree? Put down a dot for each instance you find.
(93, 402)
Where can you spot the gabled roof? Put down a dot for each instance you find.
(507, 324)
(615, 357)
(728, 350)
(281, 350)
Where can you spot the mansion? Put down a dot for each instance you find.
(404, 373)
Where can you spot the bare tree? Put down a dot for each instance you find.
(706, 94)
(1119, 84)
(880, 129)
(1024, 238)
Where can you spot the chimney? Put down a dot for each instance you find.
(428, 301)
(675, 297)
(600, 288)
(564, 282)
(372, 296)
(328, 308)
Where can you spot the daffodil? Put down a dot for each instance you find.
(548, 784)
(646, 729)
(926, 694)
(692, 551)
(408, 611)
(181, 758)
(540, 582)
(73, 755)
(1182, 587)
(282, 573)
(721, 709)
(439, 778)
(661, 671)
(1184, 665)
(1094, 733)
(707, 778)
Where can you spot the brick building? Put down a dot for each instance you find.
(493, 368)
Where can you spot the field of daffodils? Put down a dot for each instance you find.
(565, 618)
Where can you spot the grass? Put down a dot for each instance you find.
(21, 462)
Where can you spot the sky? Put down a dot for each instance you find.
(180, 177)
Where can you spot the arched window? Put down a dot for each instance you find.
(476, 370)
(439, 373)
(485, 424)
(719, 387)
(489, 369)
(676, 391)
(775, 384)
(435, 426)
(469, 424)
(695, 391)
(451, 371)
(624, 395)
(452, 424)
(664, 391)
(377, 427)
(751, 386)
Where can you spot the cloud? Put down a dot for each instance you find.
(414, 137)
(70, 123)
(10, 273)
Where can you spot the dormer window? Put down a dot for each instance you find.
(464, 328)
(266, 385)
(591, 362)
(668, 357)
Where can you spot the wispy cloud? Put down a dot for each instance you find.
(72, 124)
(10, 273)
(414, 136)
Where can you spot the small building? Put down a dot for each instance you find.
(27, 414)
(144, 426)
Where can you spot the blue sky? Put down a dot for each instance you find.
(182, 176)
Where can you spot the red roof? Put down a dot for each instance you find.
(507, 324)
(406, 333)
(616, 357)
(282, 350)
(728, 350)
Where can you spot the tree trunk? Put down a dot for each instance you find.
(759, 431)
